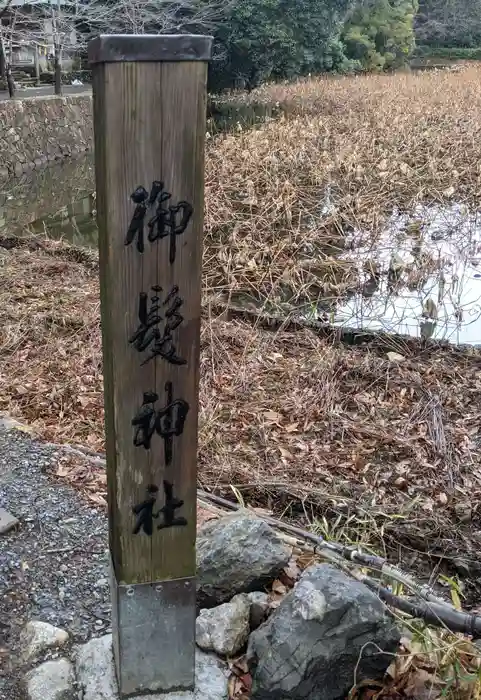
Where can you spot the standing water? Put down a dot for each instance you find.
(421, 276)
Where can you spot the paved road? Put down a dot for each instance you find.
(45, 90)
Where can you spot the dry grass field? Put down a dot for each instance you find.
(373, 143)
(366, 448)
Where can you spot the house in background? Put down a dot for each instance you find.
(31, 46)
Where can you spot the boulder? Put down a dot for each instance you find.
(237, 554)
(330, 632)
(38, 636)
(224, 629)
(53, 680)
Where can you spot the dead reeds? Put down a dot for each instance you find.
(345, 155)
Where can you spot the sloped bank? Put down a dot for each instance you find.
(37, 130)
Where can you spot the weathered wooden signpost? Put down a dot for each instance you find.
(149, 119)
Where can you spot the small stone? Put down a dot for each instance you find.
(211, 677)
(101, 582)
(8, 423)
(38, 636)
(237, 554)
(95, 669)
(395, 357)
(7, 521)
(53, 680)
(224, 629)
(259, 608)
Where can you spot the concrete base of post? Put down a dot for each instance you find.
(96, 675)
(153, 627)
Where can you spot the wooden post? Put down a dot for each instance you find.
(149, 120)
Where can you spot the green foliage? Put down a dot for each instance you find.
(456, 53)
(262, 40)
(275, 39)
(449, 23)
(379, 34)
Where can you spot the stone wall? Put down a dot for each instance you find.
(41, 129)
(44, 192)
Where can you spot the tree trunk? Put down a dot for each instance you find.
(58, 71)
(10, 81)
(37, 67)
(3, 69)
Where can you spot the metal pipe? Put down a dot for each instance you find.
(432, 610)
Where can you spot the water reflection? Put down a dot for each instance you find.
(75, 222)
(422, 276)
(58, 200)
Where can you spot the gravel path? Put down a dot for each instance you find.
(54, 566)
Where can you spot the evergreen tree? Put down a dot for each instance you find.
(272, 39)
(380, 33)
(450, 23)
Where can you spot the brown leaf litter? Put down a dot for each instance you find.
(388, 451)
(362, 446)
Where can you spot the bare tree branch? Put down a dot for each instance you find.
(163, 16)
(68, 25)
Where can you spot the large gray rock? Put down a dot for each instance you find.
(96, 675)
(328, 633)
(38, 636)
(224, 629)
(237, 554)
(53, 680)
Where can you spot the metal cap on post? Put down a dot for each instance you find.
(149, 122)
(109, 48)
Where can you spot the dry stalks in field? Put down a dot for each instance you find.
(346, 154)
(341, 427)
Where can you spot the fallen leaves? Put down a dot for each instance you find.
(273, 417)
(385, 143)
(240, 680)
(290, 574)
(278, 588)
